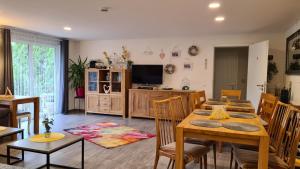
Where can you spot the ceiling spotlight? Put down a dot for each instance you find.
(67, 28)
(214, 5)
(105, 9)
(220, 18)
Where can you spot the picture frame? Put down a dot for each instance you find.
(187, 66)
(293, 54)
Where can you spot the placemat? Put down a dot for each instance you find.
(241, 126)
(40, 138)
(215, 103)
(206, 123)
(242, 115)
(203, 112)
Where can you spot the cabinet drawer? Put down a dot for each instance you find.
(104, 104)
(104, 98)
(104, 109)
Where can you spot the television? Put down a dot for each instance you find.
(147, 74)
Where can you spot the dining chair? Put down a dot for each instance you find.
(278, 119)
(166, 138)
(179, 113)
(197, 99)
(266, 106)
(285, 156)
(235, 94)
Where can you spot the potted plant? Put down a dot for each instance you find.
(47, 124)
(76, 71)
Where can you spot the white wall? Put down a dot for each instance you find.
(200, 77)
(294, 80)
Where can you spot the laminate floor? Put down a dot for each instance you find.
(139, 155)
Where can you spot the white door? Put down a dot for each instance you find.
(257, 71)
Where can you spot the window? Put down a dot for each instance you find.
(34, 71)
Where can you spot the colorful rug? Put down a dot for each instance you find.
(109, 134)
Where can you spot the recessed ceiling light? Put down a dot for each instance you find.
(67, 28)
(220, 18)
(214, 5)
(105, 9)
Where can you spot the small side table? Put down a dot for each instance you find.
(77, 98)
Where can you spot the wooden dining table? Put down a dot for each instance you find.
(258, 138)
(13, 103)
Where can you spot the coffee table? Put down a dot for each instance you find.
(47, 149)
(9, 131)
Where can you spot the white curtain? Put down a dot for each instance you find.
(44, 68)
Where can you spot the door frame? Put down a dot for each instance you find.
(214, 58)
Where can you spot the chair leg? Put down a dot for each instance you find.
(19, 121)
(200, 162)
(156, 160)
(170, 161)
(236, 165)
(29, 121)
(215, 154)
(231, 158)
(205, 161)
(220, 146)
(173, 164)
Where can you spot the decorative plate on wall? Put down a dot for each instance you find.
(193, 50)
(170, 68)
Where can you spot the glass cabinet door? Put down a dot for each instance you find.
(92, 81)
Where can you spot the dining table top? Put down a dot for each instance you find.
(221, 131)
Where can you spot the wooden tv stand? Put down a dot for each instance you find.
(140, 100)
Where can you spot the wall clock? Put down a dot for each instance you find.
(193, 50)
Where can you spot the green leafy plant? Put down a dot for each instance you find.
(76, 71)
(48, 123)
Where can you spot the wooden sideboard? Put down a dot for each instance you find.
(140, 100)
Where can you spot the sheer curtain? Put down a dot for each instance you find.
(37, 69)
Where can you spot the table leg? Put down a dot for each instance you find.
(8, 155)
(13, 117)
(179, 148)
(36, 115)
(263, 155)
(48, 161)
(82, 154)
(22, 136)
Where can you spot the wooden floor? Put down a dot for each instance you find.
(139, 155)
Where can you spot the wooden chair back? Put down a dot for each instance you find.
(277, 122)
(197, 99)
(178, 110)
(164, 123)
(236, 94)
(266, 106)
(290, 139)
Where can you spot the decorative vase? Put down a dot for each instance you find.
(47, 134)
(80, 92)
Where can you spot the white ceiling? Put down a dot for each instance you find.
(147, 18)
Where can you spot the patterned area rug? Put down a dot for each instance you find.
(109, 134)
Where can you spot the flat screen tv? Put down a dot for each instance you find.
(147, 74)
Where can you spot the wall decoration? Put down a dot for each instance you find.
(185, 83)
(193, 50)
(293, 53)
(176, 52)
(187, 66)
(169, 68)
(148, 51)
(162, 54)
(106, 89)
